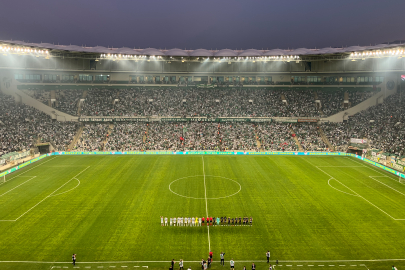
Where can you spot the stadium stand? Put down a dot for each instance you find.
(222, 102)
(22, 126)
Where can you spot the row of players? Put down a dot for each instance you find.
(196, 221)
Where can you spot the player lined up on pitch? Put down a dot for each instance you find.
(208, 221)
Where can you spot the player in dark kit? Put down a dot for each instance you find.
(251, 221)
(74, 259)
(229, 221)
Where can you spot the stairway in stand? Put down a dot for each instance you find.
(76, 138)
(296, 140)
(110, 129)
(80, 104)
(325, 139)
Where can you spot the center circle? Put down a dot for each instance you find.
(222, 187)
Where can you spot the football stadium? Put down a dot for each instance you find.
(131, 158)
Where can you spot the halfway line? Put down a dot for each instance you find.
(206, 205)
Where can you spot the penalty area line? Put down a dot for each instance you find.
(50, 195)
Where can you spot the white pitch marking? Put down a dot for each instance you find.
(17, 186)
(292, 261)
(136, 266)
(357, 194)
(112, 266)
(69, 189)
(342, 265)
(342, 166)
(206, 205)
(288, 265)
(353, 265)
(389, 176)
(364, 266)
(331, 265)
(51, 194)
(299, 265)
(240, 188)
(321, 265)
(28, 170)
(386, 184)
(339, 189)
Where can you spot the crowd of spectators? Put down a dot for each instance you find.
(382, 125)
(337, 135)
(67, 101)
(238, 136)
(22, 126)
(223, 102)
(275, 137)
(127, 137)
(309, 137)
(93, 137)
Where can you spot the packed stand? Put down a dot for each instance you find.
(93, 137)
(238, 136)
(275, 137)
(67, 101)
(301, 103)
(337, 135)
(190, 102)
(22, 126)
(127, 137)
(383, 125)
(309, 138)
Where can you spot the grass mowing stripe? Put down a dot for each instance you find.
(206, 205)
(28, 170)
(17, 186)
(115, 212)
(50, 194)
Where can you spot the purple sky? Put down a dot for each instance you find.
(208, 24)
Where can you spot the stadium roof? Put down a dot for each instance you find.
(198, 52)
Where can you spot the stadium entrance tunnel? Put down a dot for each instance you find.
(202, 187)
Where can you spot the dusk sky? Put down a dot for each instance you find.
(208, 24)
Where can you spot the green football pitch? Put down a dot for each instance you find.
(311, 212)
